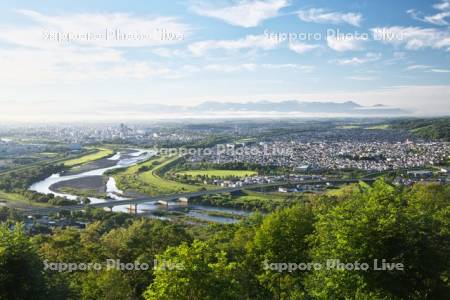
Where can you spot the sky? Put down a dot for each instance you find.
(67, 60)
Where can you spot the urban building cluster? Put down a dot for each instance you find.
(303, 157)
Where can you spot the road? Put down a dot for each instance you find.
(172, 197)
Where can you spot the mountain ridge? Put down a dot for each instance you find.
(292, 106)
(285, 107)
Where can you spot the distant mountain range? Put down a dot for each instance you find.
(289, 106)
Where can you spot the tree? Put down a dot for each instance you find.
(21, 270)
(141, 242)
(408, 227)
(195, 272)
(282, 238)
(107, 285)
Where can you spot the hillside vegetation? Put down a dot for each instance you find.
(262, 257)
(430, 129)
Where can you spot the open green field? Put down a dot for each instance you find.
(101, 153)
(379, 127)
(349, 127)
(49, 154)
(374, 127)
(219, 173)
(147, 178)
(347, 189)
(247, 140)
(343, 190)
(19, 200)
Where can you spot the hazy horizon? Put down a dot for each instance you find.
(62, 62)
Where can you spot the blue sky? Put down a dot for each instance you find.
(389, 52)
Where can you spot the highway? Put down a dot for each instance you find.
(172, 197)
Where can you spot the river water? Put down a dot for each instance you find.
(125, 160)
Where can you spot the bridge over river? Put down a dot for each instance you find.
(165, 199)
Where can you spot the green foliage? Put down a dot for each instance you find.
(14, 186)
(36, 199)
(140, 241)
(431, 129)
(282, 237)
(405, 227)
(361, 223)
(106, 285)
(250, 200)
(195, 272)
(24, 178)
(21, 270)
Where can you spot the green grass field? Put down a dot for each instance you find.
(146, 178)
(49, 154)
(347, 189)
(101, 153)
(219, 173)
(379, 127)
(349, 126)
(247, 140)
(20, 199)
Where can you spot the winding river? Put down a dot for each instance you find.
(125, 160)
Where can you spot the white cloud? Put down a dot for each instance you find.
(105, 30)
(318, 15)
(436, 19)
(248, 42)
(23, 67)
(230, 68)
(362, 78)
(347, 42)
(301, 48)
(295, 67)
(33, 58)
(440, 70)
(413, 38)
(443, 5)
(249, 67)
(417, 67)
(422, 99)
(399, 55)
(168, 52)
(245, 13)
(395, 58)
(370, 57)
(426, 68)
